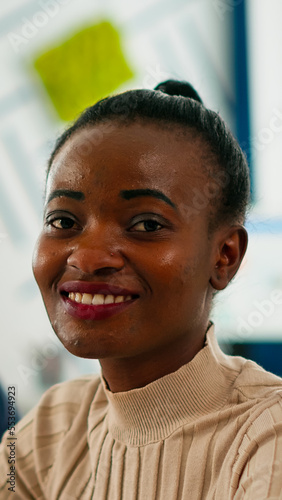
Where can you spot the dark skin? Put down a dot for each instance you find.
(148, 242)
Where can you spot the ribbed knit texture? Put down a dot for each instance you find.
(212, 430)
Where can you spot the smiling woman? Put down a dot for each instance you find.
(128, 262)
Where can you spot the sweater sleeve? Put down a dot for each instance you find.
(49, 438)
(18, 479)
(261, 452)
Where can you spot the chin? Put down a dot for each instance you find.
(84, 347)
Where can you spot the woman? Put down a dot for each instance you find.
(145, 203)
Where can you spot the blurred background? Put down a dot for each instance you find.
(58, 56)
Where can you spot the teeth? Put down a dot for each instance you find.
(86, 298)
(98, 298)
(109, 299)
(78, 297)
(119, 298)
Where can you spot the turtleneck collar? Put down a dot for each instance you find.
(151, 413)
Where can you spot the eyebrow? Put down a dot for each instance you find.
(75, 195)
(128, 194)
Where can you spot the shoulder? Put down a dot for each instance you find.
(258, 464)
(62, 410)
(264, 390)
(77, 392)
(246, 380)
(65, 404)
(253, 382)
(65, 399)
(259, 440)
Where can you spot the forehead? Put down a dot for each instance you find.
(117, 156)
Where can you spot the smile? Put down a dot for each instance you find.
(97, 298)
(95, 301)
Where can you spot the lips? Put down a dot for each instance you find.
(95, 301)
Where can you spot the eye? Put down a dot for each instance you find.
(61, 223)
(147, 226)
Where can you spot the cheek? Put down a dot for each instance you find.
(181, 275)
(45, 263)
(168, 270)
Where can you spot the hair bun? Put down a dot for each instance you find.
(175, 87)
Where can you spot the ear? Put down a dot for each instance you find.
(230, 248)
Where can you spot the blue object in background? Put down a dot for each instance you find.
(266, 354)
(241, 67)
(4, 412)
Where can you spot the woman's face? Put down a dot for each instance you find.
(123, 261)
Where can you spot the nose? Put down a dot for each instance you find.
(94, 254)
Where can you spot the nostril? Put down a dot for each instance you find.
(95, 260)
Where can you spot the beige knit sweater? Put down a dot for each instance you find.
(211, 430)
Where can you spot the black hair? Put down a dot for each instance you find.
(174, 103)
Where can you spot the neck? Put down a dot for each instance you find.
(132, 373)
